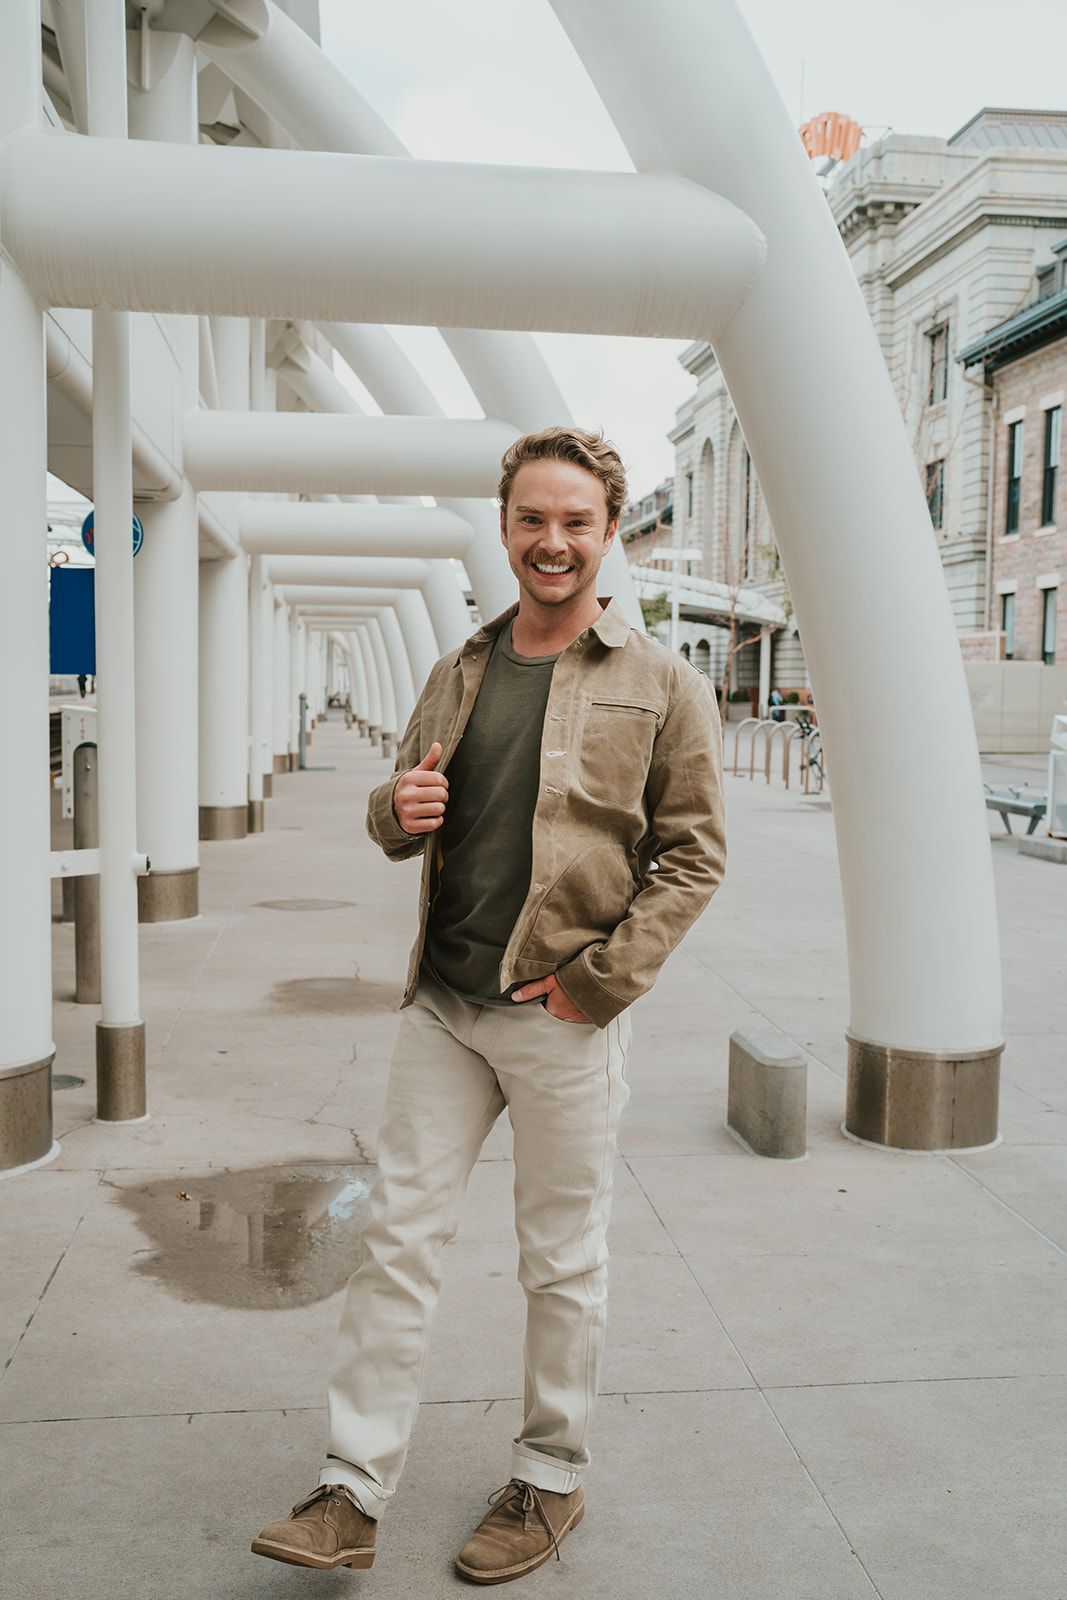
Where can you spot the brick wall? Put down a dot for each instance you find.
(1027, 385)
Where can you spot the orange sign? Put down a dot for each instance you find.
(830, 134)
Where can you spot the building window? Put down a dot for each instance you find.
(1052, 463)
(938, 386)
(1007, 623)
(1048, 626)
(1015, 475)
(689, 494)
(935, 491)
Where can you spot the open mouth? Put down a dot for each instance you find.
(548, 571)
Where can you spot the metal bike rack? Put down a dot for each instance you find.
(754, 722)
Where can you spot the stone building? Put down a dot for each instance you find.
(945, 237)
(1023, 361)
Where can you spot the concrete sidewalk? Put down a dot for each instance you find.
(840, 1378)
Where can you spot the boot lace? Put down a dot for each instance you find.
(326, 1491)
(529, 1500)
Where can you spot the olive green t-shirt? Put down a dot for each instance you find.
(486, 838)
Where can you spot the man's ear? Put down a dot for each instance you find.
(612, 530)
(503, 526)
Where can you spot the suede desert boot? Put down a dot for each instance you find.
(326, 1529)
(519, 1533)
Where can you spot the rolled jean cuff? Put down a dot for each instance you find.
(544, 1472)
(372, 1500)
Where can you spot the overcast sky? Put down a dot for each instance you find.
(497, 80)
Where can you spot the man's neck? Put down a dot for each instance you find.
(546, 630)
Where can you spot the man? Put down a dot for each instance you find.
(561, 778)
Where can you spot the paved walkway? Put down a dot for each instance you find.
(828, 1380)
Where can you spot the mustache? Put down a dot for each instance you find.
(552, 561)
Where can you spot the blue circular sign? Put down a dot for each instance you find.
(87, 533)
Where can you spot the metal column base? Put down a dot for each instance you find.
(375, 733)
(169, 896)
(120, 1072)
(268, 786)
(922, 1100)
(255, 816)
(281, 762)
(26, 1115)
(388, 743)
(223, 822)
(294, 761)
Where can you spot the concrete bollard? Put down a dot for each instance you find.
(767, 1100)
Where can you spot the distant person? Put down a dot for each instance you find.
(579, 753)
(82, 681)
(776, 698)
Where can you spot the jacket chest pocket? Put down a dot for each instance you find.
(617, 739)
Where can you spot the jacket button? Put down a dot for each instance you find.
(538, 888)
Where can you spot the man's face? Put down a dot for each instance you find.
(555, 530)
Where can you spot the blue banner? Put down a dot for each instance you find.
(72, 621)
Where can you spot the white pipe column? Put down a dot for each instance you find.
(224, 607)
(165, 580)
(259, 743)
(261, 626)
(417, 629)
(26, 1047)
(386, 687)
(120, 1034)
(399, 670)
(764, 670)
(690, 93)
(280, 627)
(374, 688)
(296, 685)
(224, 699)
(360, 690)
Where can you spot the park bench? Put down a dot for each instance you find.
(1019, 802)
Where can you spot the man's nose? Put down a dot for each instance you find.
(553, 537)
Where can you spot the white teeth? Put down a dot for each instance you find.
(540, 567)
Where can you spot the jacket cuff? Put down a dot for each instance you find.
(381, 819)
(580, 987)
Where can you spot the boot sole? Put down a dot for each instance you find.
(506, 1574)
(359, 1559)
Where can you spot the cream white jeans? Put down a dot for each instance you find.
(454, 1069)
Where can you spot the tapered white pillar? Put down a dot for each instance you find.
(26, 1047)
(258, 594)
(764, 669)
(224, 699)
(360, 691)
(297, 666)
(690, 93)
(162, 106)
(399, 667)
(281, 689)
(120, 1034)
(386, 687)
(374, 688)
(418, 634)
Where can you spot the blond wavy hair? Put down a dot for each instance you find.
(576, 445)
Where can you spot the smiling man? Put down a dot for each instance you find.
(561, 777)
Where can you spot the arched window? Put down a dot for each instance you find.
(702, 657)
(707, 532)
(741, 514)
(684, 651)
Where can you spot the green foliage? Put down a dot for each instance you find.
(658, 609)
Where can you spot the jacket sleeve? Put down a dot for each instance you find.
(382, 825)
(684, 793)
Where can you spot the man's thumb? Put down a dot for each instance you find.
(430, 759)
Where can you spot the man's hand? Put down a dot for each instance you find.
(558, 1004)
(421, 795)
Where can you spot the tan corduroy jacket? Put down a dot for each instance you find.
(628, 833)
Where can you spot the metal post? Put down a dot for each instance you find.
(120, 1033)
(86, 888)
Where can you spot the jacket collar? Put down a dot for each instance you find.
(612, 628)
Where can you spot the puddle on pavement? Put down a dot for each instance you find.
(263, 1239)
(339, 996)
(304, 905)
